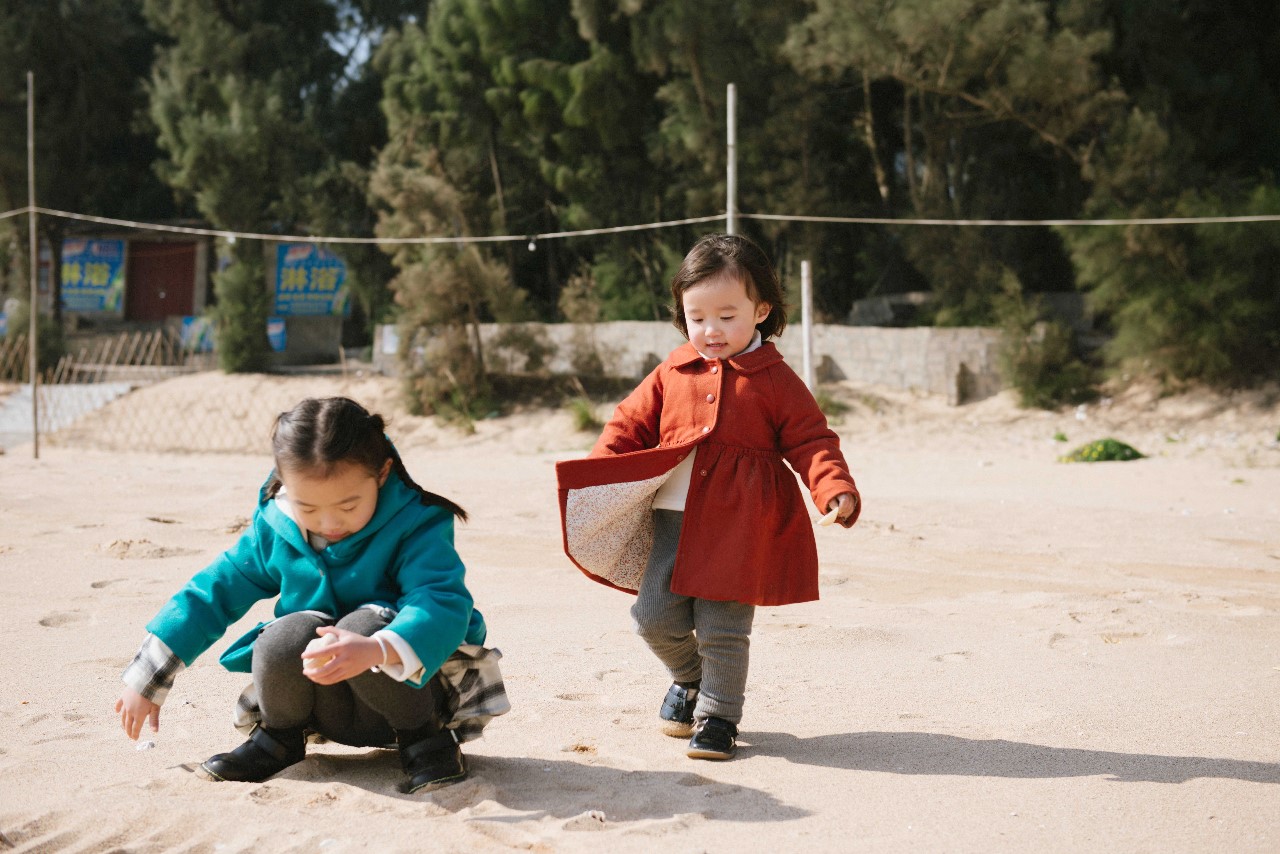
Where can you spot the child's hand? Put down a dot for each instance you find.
(351, 655)
(134, 710)
(844, 503)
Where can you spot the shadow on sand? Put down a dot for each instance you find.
(558, 788)
(933, 753)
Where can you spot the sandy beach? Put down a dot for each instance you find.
(1010, 653)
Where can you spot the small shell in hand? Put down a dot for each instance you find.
(830, 518)
(317, 645)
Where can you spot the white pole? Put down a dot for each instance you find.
(33, 350)
(731, 179)
(806, 323)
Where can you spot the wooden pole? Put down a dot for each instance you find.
(806, 322)
(731, 177)
(32, 368)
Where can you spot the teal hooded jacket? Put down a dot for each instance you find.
(403, 559)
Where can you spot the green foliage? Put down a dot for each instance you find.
(1038, 357)
(524, 348)
(580, 305)
(228, 97)
(92, 155)
(444, 291)
(1101, 451)
(571, 114)
(584, 415)
(625, 293)
(50, 344)
(1059, 436)
(240, 310)
(337, 203)
(973, 85)
(1196, 302)
(832, 407)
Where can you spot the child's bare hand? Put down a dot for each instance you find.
(350, 655)
(135, 710)
(844, 503)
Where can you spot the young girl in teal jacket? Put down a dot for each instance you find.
(375, 640)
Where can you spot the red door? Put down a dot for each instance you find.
(160, 280)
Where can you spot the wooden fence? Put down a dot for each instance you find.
(137, 356)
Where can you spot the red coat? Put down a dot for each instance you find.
(747, 536)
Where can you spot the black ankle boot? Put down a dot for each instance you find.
(265, 754)
(677, 709)
(431, 759)
(714, 738)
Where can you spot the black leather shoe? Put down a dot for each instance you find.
(714, 739)
(431, 762)
(677, 711)
(265, 754)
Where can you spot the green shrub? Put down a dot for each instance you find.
(831, 407)
(1194, 303)
(1102, 451)
(584, 415)
(1039, 357)
(51, 344)
(240, 313)
(523, 347)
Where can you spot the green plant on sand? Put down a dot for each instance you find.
(1102, 450)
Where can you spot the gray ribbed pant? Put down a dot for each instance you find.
(695, 638)
(363, 711)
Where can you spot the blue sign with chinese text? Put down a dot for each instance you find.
(92, 275)
(309, 280)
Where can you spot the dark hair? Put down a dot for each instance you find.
(321, 433)
(732, 254)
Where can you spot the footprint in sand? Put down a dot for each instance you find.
(131, 549)
(267, 794)
(58, 619)
(1060, 641)
(953, 656)
(1116, 637)
(693, 780)
(61, 737)
(90, 830)
(236, 525)
(106, 582)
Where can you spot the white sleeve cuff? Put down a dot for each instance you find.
(410, 666)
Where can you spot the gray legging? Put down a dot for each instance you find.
(363, 711)
(695, 638)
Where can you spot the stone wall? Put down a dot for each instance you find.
(960, 364)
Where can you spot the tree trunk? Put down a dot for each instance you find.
(882, 182)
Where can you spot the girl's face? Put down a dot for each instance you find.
(721, 316)
(337, 505)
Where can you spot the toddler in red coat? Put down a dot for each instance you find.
(687, 499)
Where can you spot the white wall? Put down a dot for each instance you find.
(961, 364)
